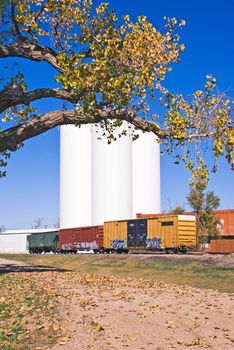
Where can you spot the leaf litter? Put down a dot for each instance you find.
(72, 311)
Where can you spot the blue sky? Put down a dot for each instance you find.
(31, 189)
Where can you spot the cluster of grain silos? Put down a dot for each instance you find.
(101, 181)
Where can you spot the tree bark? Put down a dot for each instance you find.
(31, 51)
(14, 95)
(11, 138)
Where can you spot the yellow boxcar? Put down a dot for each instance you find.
(115, 235)
(171, 232)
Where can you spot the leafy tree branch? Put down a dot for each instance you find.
(11, 138)
(108, 68)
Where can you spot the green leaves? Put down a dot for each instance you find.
(203, 204)
(123, 63)
(196, 124)
(4, 156)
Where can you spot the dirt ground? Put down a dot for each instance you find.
(103, 313)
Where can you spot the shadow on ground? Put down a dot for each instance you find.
(8, 268)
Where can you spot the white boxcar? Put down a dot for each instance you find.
(15, 241)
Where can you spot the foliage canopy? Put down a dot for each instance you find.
(107, 70)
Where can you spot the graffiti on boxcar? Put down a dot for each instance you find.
(86, 245)
(118, 244)
(153, 243)
(67, 246)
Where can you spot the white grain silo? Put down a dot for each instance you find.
(101, 182)
(111, 177)
(146, 174)
(75, 176)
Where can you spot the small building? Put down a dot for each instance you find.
(15, 241)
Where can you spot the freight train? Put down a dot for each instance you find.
(46, 242)
(172, 233)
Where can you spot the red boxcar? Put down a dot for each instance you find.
(76, 239)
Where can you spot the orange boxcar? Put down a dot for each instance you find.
(222, 246)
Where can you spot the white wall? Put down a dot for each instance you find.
(13, 243)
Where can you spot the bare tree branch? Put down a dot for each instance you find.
(41, 10)
(31, 51)
(14, 95)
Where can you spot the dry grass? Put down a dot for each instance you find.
(180, 270)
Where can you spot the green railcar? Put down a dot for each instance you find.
(42, 242)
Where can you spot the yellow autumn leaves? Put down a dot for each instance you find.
(28, 312)
(120, 65)
(123, 63)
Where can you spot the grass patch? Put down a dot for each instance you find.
(186, 271)
(28, 312)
